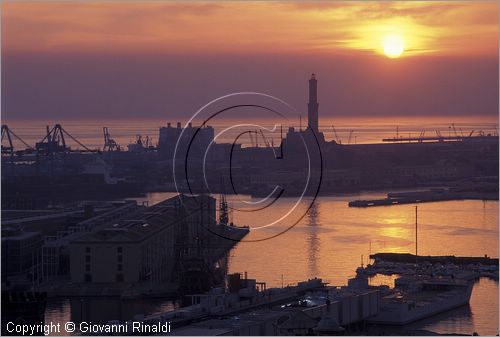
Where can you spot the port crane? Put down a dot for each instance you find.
(55, 142)
(421, 136)
(438, 134)
(109, 143)
(440, 138)
(8, 135)
(141, 143)
(252, 141)
(350, 137)
(264, 138)
(271, 145)
(149, 142)
(254, 138)
(335, 135)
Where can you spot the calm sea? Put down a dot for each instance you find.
(330, 242)
(347, 130)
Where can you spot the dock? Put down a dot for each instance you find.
(248, 295)
(432, 195)
(457, 260)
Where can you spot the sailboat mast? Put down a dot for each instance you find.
(416, 236)
(223, 208)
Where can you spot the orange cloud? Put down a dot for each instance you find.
(261, 27)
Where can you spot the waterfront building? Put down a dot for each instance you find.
(145, 246)
(55, 249)
(169, 136)
(20, 253)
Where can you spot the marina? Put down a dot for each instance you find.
(317, 236)
(247, 307)
(420, 297)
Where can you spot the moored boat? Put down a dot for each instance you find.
(419, 297)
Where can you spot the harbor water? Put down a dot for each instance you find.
(330, 242)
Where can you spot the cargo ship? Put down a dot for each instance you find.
(416, 297)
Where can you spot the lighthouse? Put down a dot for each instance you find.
(313, 104)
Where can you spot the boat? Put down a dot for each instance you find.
(419, 297)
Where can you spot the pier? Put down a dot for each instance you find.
(457, 260)
(244, 295)
(484, 192)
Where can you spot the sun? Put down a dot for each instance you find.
(394, 45)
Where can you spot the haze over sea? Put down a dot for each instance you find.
(365, 130)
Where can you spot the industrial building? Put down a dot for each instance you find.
(145, 245)
(170, 137)
(55, 254)
(34, 242)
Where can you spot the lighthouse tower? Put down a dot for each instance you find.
(313, 104)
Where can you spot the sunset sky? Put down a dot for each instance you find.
(166, 59)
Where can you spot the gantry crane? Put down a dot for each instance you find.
(336, 137)
(109, 143)
(54, 142)
(350, 137)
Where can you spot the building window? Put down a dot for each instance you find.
(87, 250)
(120, 258)
(87, 267)
(87, 258)
(119, 249)
(88, 277)
(119, 277)
(120, 267)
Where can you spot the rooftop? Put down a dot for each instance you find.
(143, 223)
